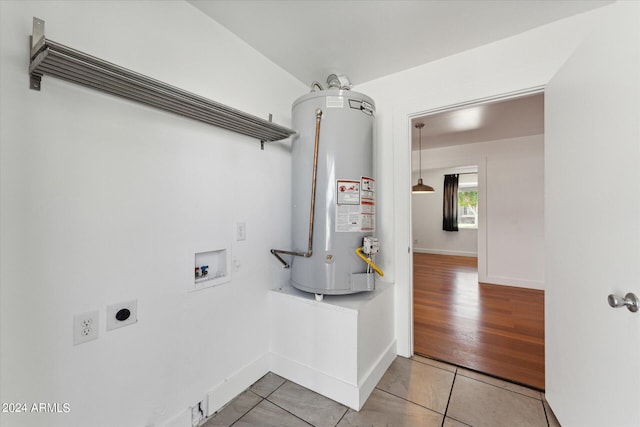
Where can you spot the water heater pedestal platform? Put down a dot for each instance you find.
(339, 347)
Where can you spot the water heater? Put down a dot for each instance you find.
(333, 194)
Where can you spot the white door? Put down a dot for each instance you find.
(592, 227)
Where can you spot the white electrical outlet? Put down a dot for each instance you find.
(85, 327)
(122, 314)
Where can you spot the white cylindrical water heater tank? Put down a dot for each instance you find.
(345, 199)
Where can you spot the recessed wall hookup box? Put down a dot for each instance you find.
(212, 268)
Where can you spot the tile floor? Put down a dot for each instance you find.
(413, 392)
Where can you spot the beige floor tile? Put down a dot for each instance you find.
(450, 422)
(235, 409)
(419, 383)
(434, 362)
(266, 414)
(483, 405)
(308, 405)
(267, 384)
(500, 383)
(384, 409)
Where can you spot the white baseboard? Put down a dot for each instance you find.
(349, 394)
(183, 419)
(373, 376)
(345, 392)
(225, 391)
(444, 252)
(236, 383)
(494, 280)
(513, 281)
(320, 382)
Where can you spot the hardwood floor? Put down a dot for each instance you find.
(498, 330)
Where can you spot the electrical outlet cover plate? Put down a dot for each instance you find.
(85, 327)
(122, 314)
(241, 231)
(199, 412)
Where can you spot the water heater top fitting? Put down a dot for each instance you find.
(338, 81)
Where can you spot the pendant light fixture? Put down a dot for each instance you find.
(420, 188)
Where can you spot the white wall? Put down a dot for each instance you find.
(512, 216)
(511, 65)
(104, 200)
(515, 212)
(426, 219)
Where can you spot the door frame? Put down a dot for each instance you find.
(403, 247)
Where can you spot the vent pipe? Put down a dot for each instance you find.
(338, 81)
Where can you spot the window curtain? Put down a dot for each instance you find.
(450, 203)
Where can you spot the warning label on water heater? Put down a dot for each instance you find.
(355, 205)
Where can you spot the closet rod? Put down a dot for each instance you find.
(55, 59)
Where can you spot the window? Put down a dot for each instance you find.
(468, 201)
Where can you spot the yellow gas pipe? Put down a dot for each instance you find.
(368, 261)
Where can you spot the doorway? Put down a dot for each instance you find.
(468, 302)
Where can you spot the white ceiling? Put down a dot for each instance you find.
(370, 39)
(367, 39)
(510, 118)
